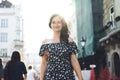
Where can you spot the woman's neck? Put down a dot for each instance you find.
(56, 37)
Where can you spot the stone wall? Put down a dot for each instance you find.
(107, 4)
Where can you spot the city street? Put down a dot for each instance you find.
(94, 26)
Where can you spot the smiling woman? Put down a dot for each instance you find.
(59, 53)
(36, 14)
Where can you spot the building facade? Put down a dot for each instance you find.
(97, 11)
(11, 30)
(111, 41)
(84, 26)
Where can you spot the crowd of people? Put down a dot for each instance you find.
(15, 69)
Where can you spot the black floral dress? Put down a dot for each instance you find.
(59, 65)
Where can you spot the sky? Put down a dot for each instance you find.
(36, 14)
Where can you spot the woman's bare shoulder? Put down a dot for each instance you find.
(70, 39)
(46, 41)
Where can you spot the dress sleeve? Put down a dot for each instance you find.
(73, 49)
(24, 70)
(42, 49)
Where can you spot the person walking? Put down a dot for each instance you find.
(1, 70)
(58, 54)
(15, 69)
(31, 75)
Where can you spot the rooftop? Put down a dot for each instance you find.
(5, 4)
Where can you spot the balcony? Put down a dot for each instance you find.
(112, 37)
(18, 43)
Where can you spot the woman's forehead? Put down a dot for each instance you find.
(57, 18)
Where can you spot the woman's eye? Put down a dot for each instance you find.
(56, 22)
(53, 22)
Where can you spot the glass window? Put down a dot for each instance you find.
(3, 52)
(18, 23)
(4, 23)
(112, 17)
(18, 35)
(3, 37)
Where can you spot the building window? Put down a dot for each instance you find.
(112, 17)
(3, 37)
(18, 35)
(3, 52)
(4, 23)
(17, 23)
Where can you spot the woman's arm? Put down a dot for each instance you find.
(25, 76)
(76, 66)
(2, 79)
(34, 76)
(43, 65)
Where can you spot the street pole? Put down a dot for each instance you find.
(83, 41)
(83, 57)
(83, 54)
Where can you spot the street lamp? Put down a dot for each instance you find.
(83, 41)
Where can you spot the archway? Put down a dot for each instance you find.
(116, 61)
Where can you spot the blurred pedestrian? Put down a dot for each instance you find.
(15, 69)
(1, 70)
(31, 75)
(59, 53)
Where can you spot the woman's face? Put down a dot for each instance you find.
(56, 24)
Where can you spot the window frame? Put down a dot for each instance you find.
(3, 37)
(4, 23)
(112, 17)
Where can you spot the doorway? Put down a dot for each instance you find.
(116, 61)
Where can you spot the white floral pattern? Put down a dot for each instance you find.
(59, 64)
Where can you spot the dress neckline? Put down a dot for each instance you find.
(55, 43)
(52, 43)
